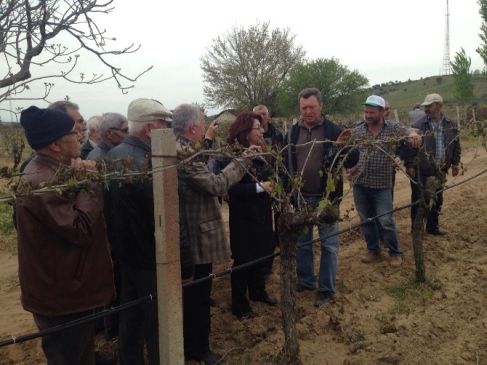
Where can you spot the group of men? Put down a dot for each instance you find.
(379, 145)
(67, 242)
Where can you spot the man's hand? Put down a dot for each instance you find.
(397, 161)
(411, 172)
(268, 186)
(212, 130)
(455, 170)
(344, 137)
(187, 280)
(87, 164)
(414, 138)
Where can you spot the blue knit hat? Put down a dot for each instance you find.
(44, 126)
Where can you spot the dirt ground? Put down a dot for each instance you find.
(378, 316)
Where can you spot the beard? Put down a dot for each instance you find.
(373, 121)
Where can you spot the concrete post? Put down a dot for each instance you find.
(168, 265)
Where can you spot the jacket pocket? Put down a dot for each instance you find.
(210, 226)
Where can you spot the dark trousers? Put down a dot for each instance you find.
(74, 346)
(249, 278)
(111, 322)
(432, 221)
(196, 315)
(138, 324)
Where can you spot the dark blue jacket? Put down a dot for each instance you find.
(331, 131)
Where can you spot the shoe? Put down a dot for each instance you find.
(300, 288)
(209, 358)
(371, 257)
(436, 232)
(104, 359)
(395, 261)
(323, 297)
(267, 299)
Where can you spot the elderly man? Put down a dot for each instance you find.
(113, 129)
(132, 218)
(199, 188)
(93, 136)
(274, 138)
(65, 269)
(372, 189)
(313, 162)
(72, 110)
(440, 151)
(415, 114)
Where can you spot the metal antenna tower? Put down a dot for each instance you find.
(446, 69)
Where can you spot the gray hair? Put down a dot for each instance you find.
(137, 127)
(110, 120)
(183, 116)
(309, 92)
(93, 122)
(260, 107)
(416, 106)
(62, 105)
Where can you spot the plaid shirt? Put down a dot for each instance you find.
(440, 143)
(374, 168)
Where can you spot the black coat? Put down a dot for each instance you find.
(251, 233)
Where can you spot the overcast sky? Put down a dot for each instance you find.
(383, 39)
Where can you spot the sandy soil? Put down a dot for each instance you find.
(440, 323)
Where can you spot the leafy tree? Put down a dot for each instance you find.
(342, 90)
(462, 75)
(30, 38)
(482, 50)
(246, 67)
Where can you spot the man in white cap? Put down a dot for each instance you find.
(372, 189)
(441, 150)
(132, 226)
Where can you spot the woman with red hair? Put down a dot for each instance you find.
(251, 233)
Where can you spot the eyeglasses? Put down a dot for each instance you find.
(257, 127)
(123, 130)
(73, 132)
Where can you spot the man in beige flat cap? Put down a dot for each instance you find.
(132, 222)
(440, 151)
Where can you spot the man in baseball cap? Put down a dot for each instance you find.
(432, 98)
(441, 150)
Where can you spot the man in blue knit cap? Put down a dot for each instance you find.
(65, 269)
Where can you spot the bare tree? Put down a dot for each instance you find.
(29, 31)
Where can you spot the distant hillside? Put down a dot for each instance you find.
(403, 95)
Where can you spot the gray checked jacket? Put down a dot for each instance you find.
(201, 189)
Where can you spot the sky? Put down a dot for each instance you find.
(385, 40)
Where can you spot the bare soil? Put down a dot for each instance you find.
(378, 314)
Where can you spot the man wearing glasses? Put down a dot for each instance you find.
(65, 270)
(113, 129)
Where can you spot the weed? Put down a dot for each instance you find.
(7, 230)
(410, 294)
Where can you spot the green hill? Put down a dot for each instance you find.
(403, 95)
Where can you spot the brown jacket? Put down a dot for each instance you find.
(64, 259)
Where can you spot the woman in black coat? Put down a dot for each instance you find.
(251, 232)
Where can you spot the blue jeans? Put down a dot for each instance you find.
(329, 256)
(369, 203)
